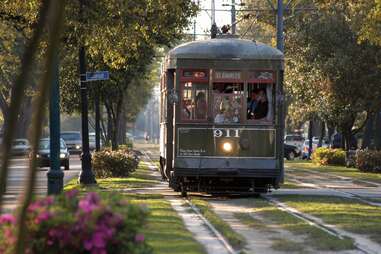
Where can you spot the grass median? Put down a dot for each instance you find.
(336, 170)
(269, 219)
(347, 214)
(165, 231)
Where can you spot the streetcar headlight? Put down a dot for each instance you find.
(62, 155)
(77, 147)
(38, 156)
(227, 146)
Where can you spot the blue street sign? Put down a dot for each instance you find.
(97, 75)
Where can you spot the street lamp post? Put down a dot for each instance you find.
(55, 174)
(86, 175)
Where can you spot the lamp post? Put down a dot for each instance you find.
(86, 175)
(55, 175)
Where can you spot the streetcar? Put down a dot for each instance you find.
(221, 117)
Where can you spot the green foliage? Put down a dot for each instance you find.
(119, 163)
(72, 223)
(368, 160)
(328, 156)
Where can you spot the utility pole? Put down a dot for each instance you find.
(233, 17)
(86, 175)
(194, 30)
(213, 30)
(279, 26)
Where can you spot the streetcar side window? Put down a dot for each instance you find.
(194, 101)
(260, 101)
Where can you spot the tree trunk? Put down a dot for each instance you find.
(377, 131)
(368, 133)
(331, 131)
(310, 126)
(24, 120)
(322, 133)
(122, 127)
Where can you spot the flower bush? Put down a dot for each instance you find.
(368, 160)
(119, 163)
(329, 156)
(72, 224)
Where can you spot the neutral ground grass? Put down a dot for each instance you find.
(273, 218)
(337, 170)
(290, 185)
(165, 231)
(350, 215)
(235, 239)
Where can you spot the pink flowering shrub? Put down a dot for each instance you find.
(72, 224)
(119, 163)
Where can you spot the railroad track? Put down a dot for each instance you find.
(339, 192)
(362, 244)
(200, 219)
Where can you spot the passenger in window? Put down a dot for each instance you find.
(220, 117)
(262, 106)
(252, 105)
(185, 113)
(201, 106)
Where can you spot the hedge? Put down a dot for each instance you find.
(368, 160)
(119, 163)
(329, 156)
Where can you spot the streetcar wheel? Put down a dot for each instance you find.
(183, 191)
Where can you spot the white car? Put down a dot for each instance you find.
(20, 147)
(294, 140)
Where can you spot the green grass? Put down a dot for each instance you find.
(286, 245)
(273, 218)
(235, 239)
(165, 231)
(337, 170)
(347, 214)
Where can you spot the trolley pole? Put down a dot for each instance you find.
(213, 30)
(279, 26)
(233, 17)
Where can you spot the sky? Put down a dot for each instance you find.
(203, 19)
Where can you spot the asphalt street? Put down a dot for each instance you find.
(18, 174)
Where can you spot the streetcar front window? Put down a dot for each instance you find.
(194, 104)
(260, 102)
(227, 102)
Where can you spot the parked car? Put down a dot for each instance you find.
(73, 141)
(291, 152)
(294, 140)
(43, 154)
(20, 147)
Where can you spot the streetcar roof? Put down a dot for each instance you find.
(233, 49)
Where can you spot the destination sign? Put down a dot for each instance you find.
(227, 75)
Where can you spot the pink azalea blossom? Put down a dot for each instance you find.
(139, 238)
(71, 193)
(7, 218)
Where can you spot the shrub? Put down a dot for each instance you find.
(368, 160)
(70, 224)
(328, 156)
(120, 163)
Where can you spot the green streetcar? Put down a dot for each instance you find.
(221, 117)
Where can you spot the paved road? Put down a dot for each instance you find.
(18, 174)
